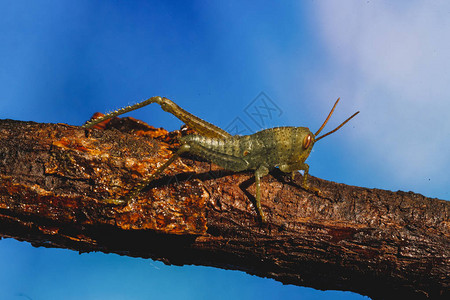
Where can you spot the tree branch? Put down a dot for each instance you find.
(54, 179)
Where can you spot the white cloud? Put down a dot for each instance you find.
(395, 59)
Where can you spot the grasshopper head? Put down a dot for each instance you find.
(315, 139)
(304, 142)
(309, 138)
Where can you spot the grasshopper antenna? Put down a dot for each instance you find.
(337, 128)
(326, 121)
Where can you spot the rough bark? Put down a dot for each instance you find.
(54, 179)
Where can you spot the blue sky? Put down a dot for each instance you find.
(60, 61)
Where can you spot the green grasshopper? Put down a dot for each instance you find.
(284, 147)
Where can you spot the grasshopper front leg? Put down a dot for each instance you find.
(294, 168)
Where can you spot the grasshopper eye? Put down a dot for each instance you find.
(307, 141)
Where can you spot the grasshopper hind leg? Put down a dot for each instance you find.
(201, 126)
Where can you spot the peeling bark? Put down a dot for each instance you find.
(54, 179)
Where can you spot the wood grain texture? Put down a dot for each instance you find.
(54, 179)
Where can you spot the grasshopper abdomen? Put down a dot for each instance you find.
(220, 151)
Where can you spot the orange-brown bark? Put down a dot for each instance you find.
(54, 180)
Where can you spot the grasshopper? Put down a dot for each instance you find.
(284, 147)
